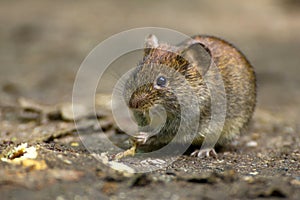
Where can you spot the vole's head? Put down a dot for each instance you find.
(164, 73)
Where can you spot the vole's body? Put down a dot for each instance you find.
(187, 59)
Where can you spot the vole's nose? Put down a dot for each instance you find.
(137, 101)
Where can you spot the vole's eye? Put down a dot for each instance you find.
(161, 81)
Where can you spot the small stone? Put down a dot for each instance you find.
(126, 170)
(255, 136)
(253, 173)
(251, 144)
(155, 162)
(248, 179)
(67, 161)
(74, 144)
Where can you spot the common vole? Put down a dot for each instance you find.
(154, 79)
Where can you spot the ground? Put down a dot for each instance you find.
(42, 47)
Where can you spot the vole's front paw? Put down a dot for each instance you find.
(201, 153)
(142, 137)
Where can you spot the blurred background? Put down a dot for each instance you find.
(43, 43)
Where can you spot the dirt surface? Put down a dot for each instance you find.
(42, 46)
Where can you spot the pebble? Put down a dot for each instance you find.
(255, 136)
(253, 173)
(74, 144)
(121, 167)
(248, 179)
(251, 144)
(153, 162)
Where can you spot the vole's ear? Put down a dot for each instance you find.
(198, 55)
(151, 42)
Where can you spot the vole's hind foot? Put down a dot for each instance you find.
(202, 153)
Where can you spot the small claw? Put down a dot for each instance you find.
(142, 137)
(202, 153)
